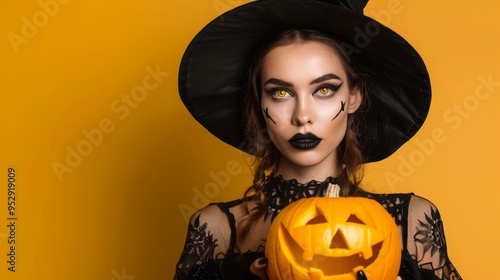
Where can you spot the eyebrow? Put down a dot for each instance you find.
(278, 82)
(326, 77)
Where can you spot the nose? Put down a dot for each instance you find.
(303, 112)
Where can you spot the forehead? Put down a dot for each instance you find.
(304, 59)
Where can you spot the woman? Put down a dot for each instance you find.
(317, 105)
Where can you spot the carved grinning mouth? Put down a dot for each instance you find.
(329, 265)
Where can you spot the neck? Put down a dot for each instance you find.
(304, 174)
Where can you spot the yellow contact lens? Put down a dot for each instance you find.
(281, 93)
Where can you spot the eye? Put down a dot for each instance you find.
(324, 91)
(354, 219)
(319, 219)
(281, 93)
(327, 90)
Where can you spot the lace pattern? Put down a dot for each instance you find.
(282, 192)
(208, 255)
(430, 235)
(425, 252)
(206, 244)
(199, 248)
(393, 203)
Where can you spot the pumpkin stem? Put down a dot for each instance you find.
(333, 190)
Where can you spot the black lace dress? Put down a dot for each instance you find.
(210, 251)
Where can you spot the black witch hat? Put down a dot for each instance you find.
(212, 67)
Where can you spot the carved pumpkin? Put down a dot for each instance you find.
(333, 238)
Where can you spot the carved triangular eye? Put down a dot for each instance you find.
(317, 220)
(354, 219)
(338, 241)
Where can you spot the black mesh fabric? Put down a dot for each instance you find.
(210, 251)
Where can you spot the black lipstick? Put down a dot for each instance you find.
(304, 141)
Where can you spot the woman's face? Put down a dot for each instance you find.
(305, 102)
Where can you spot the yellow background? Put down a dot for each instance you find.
(68, 67)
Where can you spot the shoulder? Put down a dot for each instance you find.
(215, 224)
(406, 208)
(395, 203)
(209, 222)
(214, 213)
(408, 200)
(390, 198)
(421, 204)
(426, 237)
(423, 213)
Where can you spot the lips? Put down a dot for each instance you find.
(304, 141)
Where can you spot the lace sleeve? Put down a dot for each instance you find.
(426, 241)
(206, 243)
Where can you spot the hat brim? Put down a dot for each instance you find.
(211, 70)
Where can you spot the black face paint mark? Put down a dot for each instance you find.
(342, 108)
(267, 115)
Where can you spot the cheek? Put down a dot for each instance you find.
(331, 119)
(338, 127)
(331, 110)
(277, 131)
(335, 129)
(281, 112)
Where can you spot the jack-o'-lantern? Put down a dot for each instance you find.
(333, 238)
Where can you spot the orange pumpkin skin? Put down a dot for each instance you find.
(333, 238)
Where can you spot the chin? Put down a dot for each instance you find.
(310, 160)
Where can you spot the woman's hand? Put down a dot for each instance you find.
(362, 276)
(259, 268)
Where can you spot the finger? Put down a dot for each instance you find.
(399, 278)
(258, 268)
(361, 275)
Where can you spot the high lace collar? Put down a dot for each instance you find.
(281, 192)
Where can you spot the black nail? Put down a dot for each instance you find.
(362, 275)
(262, 261)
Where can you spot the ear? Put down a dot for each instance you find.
(355, 100)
